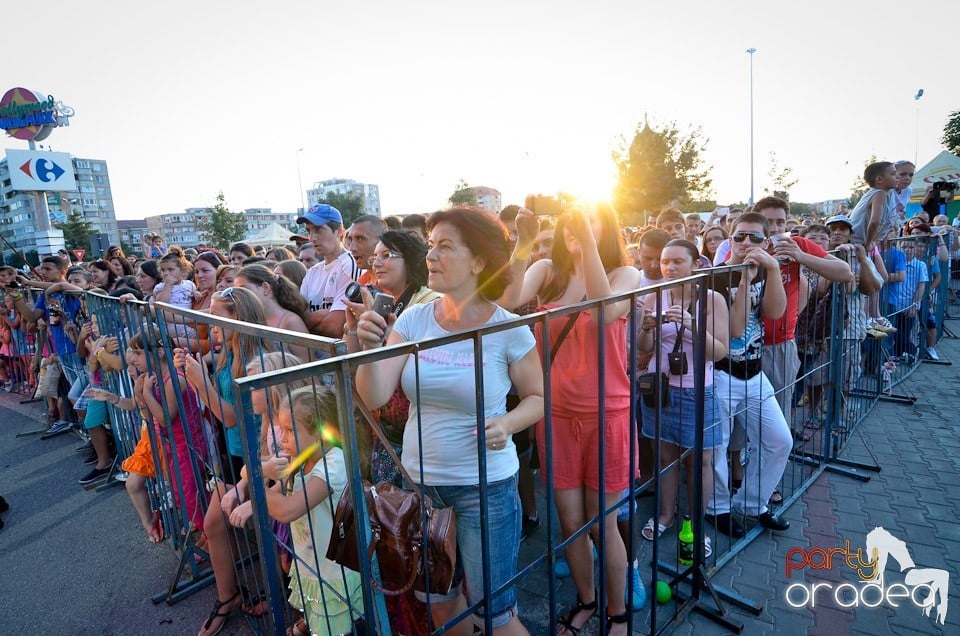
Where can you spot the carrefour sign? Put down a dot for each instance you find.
(41, 171)
(31, 116)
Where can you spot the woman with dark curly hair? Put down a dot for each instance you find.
(467, 262)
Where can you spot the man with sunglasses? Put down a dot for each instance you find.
(780, 360)
(755, 296)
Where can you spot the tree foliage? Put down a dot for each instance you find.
(350, 205)
(859, 186)
(781, 178)
(659, 168)
(951, 133)
(76, 231)
(463, 194)
(221, 227)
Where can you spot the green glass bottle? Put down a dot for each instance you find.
(685, 543)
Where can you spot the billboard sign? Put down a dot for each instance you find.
(35, 170)
(30, 115)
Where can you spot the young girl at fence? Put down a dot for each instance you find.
(680, 307)
(283, 306)
(329, 595)
(588, 260)
(176, 290)
(20, 345)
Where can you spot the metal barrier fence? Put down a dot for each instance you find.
(267, 562)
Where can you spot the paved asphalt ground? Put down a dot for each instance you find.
(74, 561)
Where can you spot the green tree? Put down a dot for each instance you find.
(781, 178)
(76, 231)
(951, 133)
(859, 186)
(221, 227)
(659, 168)
(350, 205)
(463, 194)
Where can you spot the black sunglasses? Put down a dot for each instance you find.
(755, 238)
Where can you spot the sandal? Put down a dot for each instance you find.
(216, 613)
(256, 605)
(566, 621)
(619, 619)
(647, 531)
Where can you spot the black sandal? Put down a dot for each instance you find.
(619, 619)
(216, 613)
(566, 620)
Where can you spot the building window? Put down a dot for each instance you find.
(98, 167)
(81, 163)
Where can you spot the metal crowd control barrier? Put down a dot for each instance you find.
(691, 582)
(259, 560)
(23, 347)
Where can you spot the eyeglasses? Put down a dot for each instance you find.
(755, 237)
(383, 256)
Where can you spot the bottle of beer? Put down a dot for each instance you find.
(685, 542)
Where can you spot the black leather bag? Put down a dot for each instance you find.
(655, 389)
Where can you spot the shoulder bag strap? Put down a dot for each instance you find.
(375, 426)
(571, 320)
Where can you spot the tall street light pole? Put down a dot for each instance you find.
(916, 147)
(751, 51)
(303, 207)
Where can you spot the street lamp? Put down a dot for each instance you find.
(916, 147)
(751, 51)
(303, 207)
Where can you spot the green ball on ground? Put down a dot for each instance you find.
(664, 593)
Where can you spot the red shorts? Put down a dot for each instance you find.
(576, 450)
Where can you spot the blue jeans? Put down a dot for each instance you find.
(503, 523)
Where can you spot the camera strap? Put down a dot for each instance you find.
(693, 324)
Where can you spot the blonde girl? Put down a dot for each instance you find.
(309, 416)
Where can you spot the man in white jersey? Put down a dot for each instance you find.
(325, 283)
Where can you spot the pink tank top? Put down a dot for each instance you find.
(575, 369)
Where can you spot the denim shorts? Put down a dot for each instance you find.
(677, 418)
(503, 523)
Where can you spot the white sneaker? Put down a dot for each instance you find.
(932, 352)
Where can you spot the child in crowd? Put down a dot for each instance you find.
(876, 212)
(175, 289)
(306, 417)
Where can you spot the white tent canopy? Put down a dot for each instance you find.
(943, 167)
(273, 234)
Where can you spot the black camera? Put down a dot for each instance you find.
(352, 292)
(13, 285)
(944, 188)
(677, 361)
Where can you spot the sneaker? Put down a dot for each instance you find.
(121, 476)
(57, 428)
(639, 593)
(91, 459)
(85, 447)
(530, 526)
(95, 475)
(932, 352)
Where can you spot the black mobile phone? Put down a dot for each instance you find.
(383, 304)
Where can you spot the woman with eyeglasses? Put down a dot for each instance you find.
(713, 236)
(669, 330)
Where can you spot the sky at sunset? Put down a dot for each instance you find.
(186, 99)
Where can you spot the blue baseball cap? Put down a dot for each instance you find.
(321, 214)
(839, 218)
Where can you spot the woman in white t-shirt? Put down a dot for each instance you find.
(467, 262)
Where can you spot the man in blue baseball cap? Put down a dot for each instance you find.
(325, 283)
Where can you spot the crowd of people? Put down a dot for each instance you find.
(461, 269)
